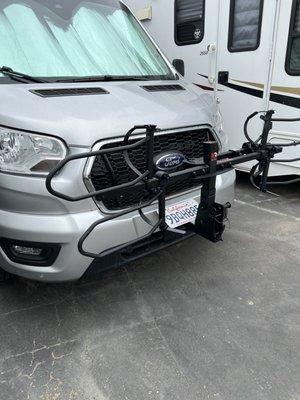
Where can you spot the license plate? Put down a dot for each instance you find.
(181, 213)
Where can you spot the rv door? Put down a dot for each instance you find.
(245, 45)
(285, 87)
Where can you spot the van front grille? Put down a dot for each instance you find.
(112, 170)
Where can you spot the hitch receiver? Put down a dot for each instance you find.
(210, 221)
(211, 215)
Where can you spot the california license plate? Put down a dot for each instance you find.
(181, 213)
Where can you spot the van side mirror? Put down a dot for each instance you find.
(178, 64)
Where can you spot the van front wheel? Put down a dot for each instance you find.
(4, 276)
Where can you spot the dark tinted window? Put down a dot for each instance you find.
(245, 25)
(189, 21)
(293, 52)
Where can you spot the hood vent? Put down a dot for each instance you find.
(163, 88)
(69, 92)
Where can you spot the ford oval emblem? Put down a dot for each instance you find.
(167, 161)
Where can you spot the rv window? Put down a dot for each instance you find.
(245, 25)
(189, 21)
(293, 51)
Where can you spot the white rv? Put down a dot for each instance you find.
(246, 52)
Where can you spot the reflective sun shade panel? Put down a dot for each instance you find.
(76, 38)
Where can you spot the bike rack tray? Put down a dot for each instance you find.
(154, 180)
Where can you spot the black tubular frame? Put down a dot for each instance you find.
(150, 129)
(210, 217)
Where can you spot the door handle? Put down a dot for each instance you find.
(223, 77)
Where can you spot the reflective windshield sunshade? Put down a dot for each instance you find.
(76, 38)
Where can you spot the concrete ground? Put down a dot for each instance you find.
(197, 321)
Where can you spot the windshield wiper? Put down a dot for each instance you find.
(19, 76)
(107, 78)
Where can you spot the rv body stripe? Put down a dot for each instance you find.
(208, 88)
(285, 100)
(290, 101)
(257, 85)
(284, 89)
(243, 89)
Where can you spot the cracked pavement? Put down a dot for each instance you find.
(196, 321)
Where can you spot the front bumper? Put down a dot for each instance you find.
(66, 229)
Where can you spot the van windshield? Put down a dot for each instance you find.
(76, 38)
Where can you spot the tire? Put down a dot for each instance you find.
(4, 276)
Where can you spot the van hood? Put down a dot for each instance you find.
(82, 120)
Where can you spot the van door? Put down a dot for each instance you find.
(246, 30)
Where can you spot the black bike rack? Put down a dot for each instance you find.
(211, 215)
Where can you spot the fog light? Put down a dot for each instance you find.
(27, 251)
(30, 253)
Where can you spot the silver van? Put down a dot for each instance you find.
(76, 76)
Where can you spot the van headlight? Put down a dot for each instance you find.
(29, 153)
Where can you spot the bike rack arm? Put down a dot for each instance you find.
(111, 150)
(110, 218)
(211, 216)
